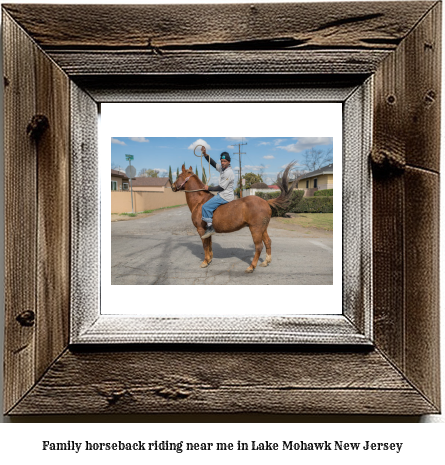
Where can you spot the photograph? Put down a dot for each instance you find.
(222, 210)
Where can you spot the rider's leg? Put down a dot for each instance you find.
(207, 213)
(209, 207)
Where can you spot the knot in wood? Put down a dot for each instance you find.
(37, 126)
(391, 99)
(26, 318)
(389, 162)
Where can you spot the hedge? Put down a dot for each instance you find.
(324, 193)
(301, 204)
(297, 195)
(315, 205)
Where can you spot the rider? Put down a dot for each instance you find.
(224, 189)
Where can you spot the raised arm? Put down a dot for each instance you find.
(207, 157)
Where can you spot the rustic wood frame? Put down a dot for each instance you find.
(88, 52)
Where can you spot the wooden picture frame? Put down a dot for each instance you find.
(77, 56)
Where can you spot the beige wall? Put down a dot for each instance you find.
(121, 201)
(148, 189)
(325, 181)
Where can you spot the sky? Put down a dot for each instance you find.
(270, 154)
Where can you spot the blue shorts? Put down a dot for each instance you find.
(210, 206)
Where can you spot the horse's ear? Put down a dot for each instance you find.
(191, 169)
(183, 168)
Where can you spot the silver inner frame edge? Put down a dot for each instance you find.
(354, 327)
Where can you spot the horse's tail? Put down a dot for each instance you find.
(285, 197)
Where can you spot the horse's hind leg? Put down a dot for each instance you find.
(268, 243)
(257, 236)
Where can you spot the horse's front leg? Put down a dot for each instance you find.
(208, 254)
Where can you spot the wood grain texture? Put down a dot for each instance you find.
(20, 212)
(222, 382)
(53, 235)
(423, 92)
(406, 205)
(274, 25)
(422, 281)
(78, 63)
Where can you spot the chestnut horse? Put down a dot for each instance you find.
(252, 211)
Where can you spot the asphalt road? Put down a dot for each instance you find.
(165, 248)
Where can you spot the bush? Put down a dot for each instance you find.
(324, 193)
(315, 205)
(297, 195)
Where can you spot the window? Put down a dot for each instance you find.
(315, 183)
(114, 185)
(125, 186)
(307, 184)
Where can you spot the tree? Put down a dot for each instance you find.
(250, 179)
(204, 177)
(151, 173)
(142, 172)
(314, 159)
(170, 175)
(177, 173)
(196, 171)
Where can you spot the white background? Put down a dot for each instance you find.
(224, 120)
(21, 442)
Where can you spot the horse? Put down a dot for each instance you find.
(251, 211)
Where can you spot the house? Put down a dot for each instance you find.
(322, 178)
(151, 184)
(119, 181)
(259, 187)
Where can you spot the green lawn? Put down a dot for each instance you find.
(312, 220)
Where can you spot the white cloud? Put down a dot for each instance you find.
(199, 142)
(255, 168)
(278, 141)
(269, 157)
(241, 139)
(263, 143)
(305, 143)
(230, 146)
(117, 141)
(139, 139)
(160, 170)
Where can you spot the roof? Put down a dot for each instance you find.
(273, 187)
(119, 174)
(150, 182)
(259, 185)
(328, 169)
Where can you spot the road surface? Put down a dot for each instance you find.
(165, 248)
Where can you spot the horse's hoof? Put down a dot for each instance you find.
(249, 270)
(205, 264)
(265, 263)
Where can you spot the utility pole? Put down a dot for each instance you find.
(240, 153)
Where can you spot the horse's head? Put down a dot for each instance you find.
(183, 177)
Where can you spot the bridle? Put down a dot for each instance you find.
(186, 179)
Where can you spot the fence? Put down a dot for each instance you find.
(144, 200)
